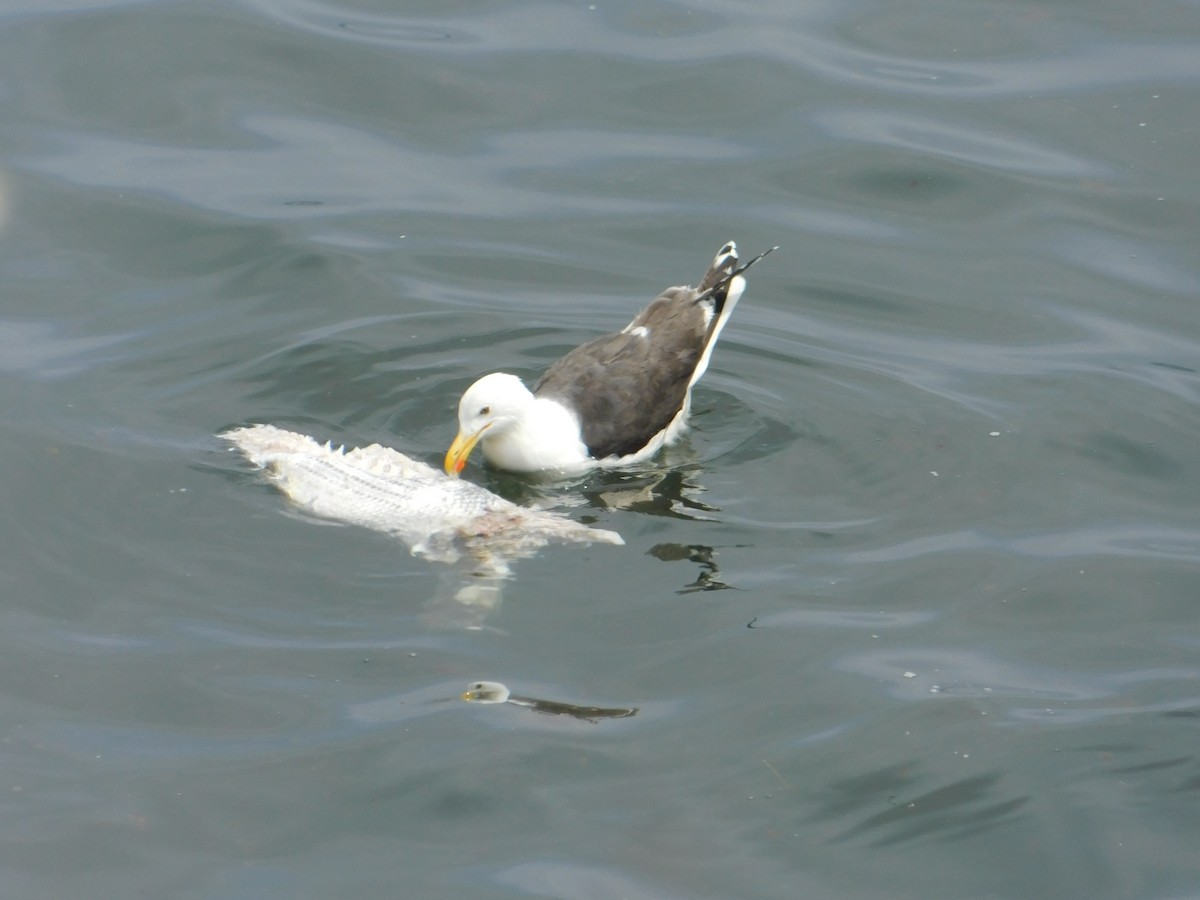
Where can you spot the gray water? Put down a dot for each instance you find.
(911, 614)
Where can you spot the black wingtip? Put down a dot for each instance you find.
(721, 267)
(713, 290)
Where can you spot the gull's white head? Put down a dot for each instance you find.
(488, 408)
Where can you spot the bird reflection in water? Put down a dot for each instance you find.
(671, 495)
(708, 579)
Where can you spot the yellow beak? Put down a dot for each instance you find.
(456, 456)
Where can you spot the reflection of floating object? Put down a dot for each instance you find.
(617, 399)
(708, 579)
(495, 692)
(376, 487)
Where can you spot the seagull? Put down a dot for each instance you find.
(614, 401)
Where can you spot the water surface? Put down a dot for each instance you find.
(912, 611)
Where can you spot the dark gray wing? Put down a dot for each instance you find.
(626, 387)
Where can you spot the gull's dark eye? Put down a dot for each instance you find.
(486, 411)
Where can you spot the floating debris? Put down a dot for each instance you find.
(495, 692)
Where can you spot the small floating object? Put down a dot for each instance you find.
(615, 400)
(495, 692)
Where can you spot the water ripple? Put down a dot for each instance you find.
(43, 350)
(258, 181)
(774, 32)
(963, 143)
(1140, 541)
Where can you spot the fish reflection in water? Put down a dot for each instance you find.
(495, 692)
